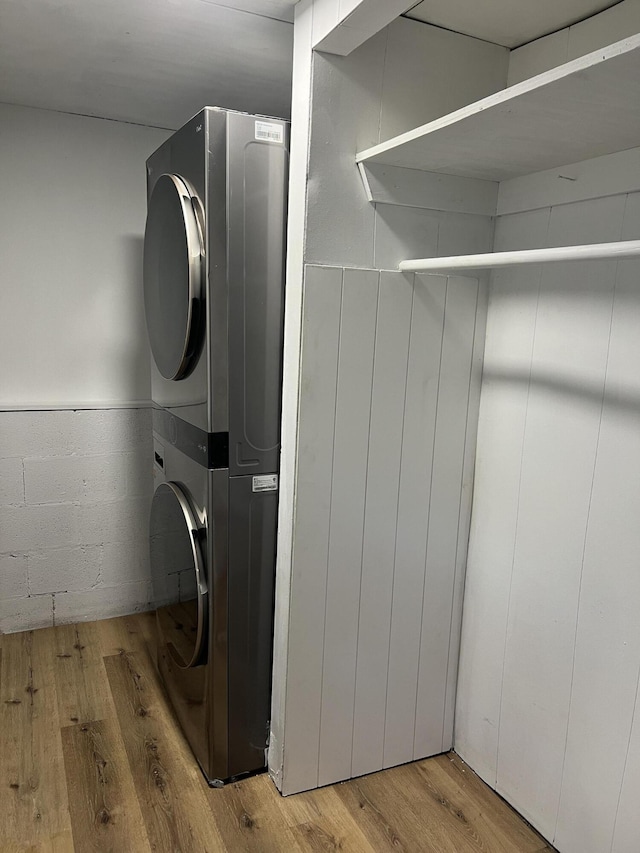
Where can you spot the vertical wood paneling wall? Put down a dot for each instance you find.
(390, 363)
(385, 404)
(547, 701)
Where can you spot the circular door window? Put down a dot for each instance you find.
(173, 261)
(178, 575)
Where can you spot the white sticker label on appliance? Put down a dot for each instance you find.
(265, 483)
(269, 132)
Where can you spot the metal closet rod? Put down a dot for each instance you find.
(591, 252)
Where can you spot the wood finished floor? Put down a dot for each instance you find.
(91, 758)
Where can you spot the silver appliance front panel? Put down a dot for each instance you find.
(237, 173)
(224, 413)
(257, 176)
(184, 155)
(187, 687)
(174, 277)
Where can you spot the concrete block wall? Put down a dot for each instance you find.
(75, 492)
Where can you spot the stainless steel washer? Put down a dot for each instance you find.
(213, 289)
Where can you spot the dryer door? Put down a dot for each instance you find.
(173, 276)
(176, 561)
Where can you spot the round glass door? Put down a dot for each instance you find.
(178, 574)
(173, 278)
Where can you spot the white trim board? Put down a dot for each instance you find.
(583, 109)
(340, 26)
(96, 405)
(428, 190)
(301, 115)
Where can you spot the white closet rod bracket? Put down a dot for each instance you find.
(591, 252)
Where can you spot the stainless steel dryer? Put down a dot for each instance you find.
(213, 291)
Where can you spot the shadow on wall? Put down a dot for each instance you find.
(625, 400)
(125, 345)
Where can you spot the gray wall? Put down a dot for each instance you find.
(72, 214)
(74, 485)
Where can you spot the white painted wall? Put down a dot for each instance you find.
(406, 75)
(381, 356)
(551, 641)
(550, 667)
(547, 706)
(74, 485)
(621, 20)
(390, 368)
(72, 213)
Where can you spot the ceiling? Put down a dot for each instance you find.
(154, 62)
(510, 23)
(157, 62)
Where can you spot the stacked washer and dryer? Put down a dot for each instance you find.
(213, 291)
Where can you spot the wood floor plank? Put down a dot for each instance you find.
(124, 633)
(167, 779)
(34, 793)
(455, 821)
(82, 689)
(62, 843)
(385, 820)
(501, 827)
(321, 821)
(129, 782)
(145, 623)
(455, 824)
(249, 819)
(105, 815)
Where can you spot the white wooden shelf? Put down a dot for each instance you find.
(583, 109)
(589, 252)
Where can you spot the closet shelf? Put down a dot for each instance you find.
(582, 109)
(590, 252)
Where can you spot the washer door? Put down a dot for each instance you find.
(176, 561)
(173, 276)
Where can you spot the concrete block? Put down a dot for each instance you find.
(75, 478)
(139, 473)
(103, 602)
(13, 576)
(11, 481)
(39, 434)
(35, 433)
(125, 562)
(38, 528)
(125, 520)
(64, 570)
(110, 430)
(25, 614)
